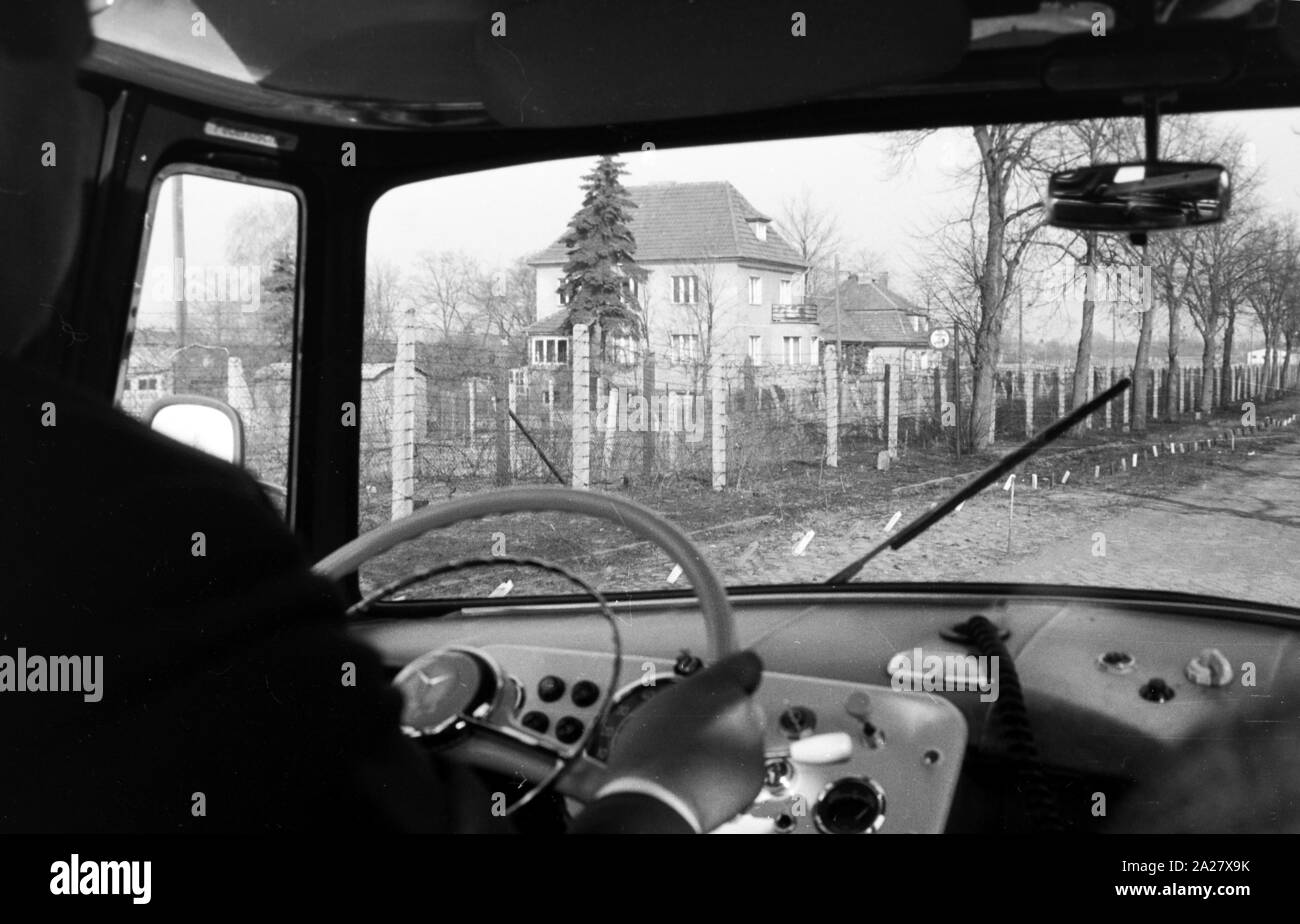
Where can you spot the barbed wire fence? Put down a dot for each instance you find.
(439, 418)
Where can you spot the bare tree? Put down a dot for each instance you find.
(443, 287)
(385, 297)
(985, 249)
(1273, 293)
(814, 232)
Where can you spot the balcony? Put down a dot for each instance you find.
(794, 314)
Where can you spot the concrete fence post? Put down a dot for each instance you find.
(581, 463)
(512, 402)
(402, 422)
(1031, 385)
(895, 395)
(718, 429)
(832, 380)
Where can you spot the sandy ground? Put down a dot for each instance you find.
(1220, 520)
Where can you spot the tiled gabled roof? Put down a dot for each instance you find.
(688, 222)
(872, 313)
(556, 324)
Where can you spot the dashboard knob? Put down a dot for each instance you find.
(686, 664)
(585, 693)
(797, 722)
(830, 748)
(569, 729)
(550, 688)
(852, 805)
(536, 721)
(1156, 691)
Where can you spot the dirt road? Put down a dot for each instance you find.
(1221, 522)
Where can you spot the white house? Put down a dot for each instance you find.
(722, 283)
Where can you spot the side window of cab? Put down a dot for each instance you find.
(215, 309)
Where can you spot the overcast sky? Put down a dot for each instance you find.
(500, 215)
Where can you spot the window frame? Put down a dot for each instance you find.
(295, 356)
(693, 295)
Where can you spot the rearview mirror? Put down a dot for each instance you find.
(208, 425)
(1160, 196)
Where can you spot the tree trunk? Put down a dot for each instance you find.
(1207, 369)
(1286, 364)
(1083, 356)
(1140, 362)
(1171, 404)
(1226, 366)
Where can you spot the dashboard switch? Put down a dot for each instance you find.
(777, 773)
(797, 722)
(1210, 669)
(1156, 690)
(830, 748)
(686, 664)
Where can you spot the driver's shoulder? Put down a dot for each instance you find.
(68, 452)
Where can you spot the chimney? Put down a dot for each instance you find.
(851, 279)
(882, 280)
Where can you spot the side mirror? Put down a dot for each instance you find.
(1137, 197)
(206, 424)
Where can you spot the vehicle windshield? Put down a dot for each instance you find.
(794, 348)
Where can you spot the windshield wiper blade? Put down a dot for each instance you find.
(983, 480)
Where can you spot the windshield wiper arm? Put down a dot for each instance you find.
(983, 480)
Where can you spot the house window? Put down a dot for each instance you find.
(685, 347)
(760, 229)
(562, 296)
(685, 290)
(916, 323)
(755, 290)
(621, 349)
(756, 350)
(787, 292)
(793, 350)
(815, 351)
(633, 288)
(550, 351)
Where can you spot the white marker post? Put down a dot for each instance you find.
(802, 545)
(1011, 510)
(1065, 477)
(674, 574)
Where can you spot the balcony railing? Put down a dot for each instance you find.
(794, 314)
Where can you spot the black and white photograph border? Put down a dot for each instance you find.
(564, 417)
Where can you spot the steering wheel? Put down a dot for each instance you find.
(461, 696)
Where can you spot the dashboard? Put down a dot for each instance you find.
(859, 737)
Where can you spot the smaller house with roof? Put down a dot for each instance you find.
(876, 326)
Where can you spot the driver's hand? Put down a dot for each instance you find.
(701, 742)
